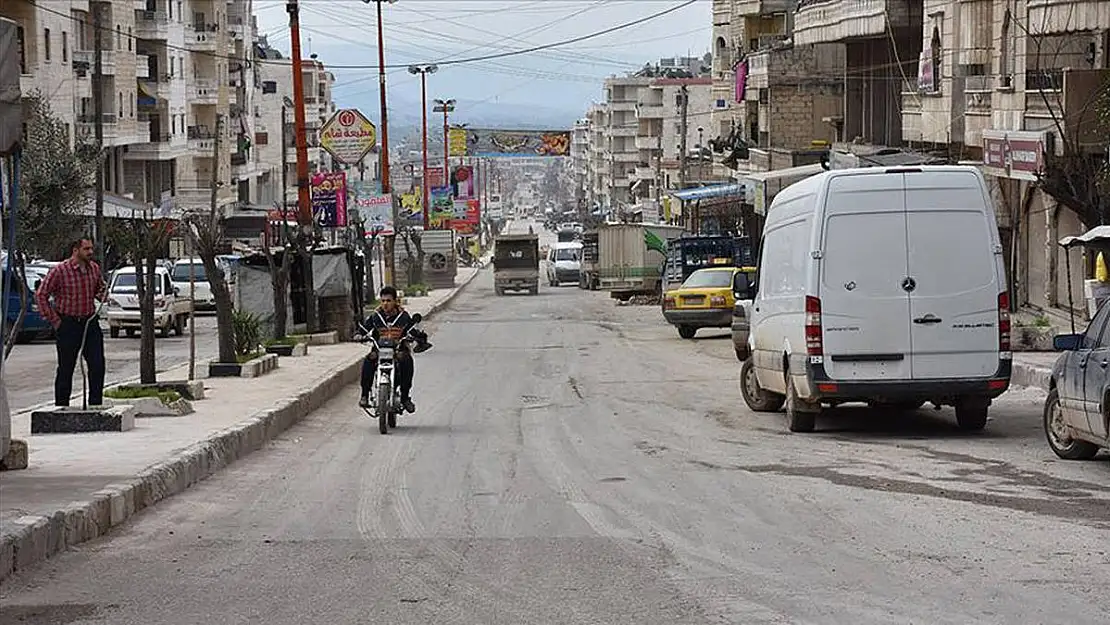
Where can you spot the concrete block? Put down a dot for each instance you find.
(1024, 374)
(321, 338)
(259, 366)
(32, 538)
(146, 407)
(72, 420)
(17, 456)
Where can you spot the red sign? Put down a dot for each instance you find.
(470, 223)
(1014, 154)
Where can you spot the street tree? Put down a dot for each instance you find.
(412, 239)
(366, 243)
(142, 239)
(280, 269)
(54, 180)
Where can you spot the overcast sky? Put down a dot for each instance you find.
(561, 81)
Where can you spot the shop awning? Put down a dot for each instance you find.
(717, 190)
(793, 174)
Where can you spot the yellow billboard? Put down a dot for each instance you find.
(456, 141)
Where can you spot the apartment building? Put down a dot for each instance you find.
(1002, 83)
(580, 162)
(171, 69)
(622, 96)
(599, 165)
(659, 136)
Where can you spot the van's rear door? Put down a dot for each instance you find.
(865, 313)
(954, 305)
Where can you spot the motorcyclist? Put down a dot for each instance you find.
(390, 320)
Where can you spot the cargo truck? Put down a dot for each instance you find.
(631, 256)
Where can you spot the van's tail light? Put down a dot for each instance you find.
(814, 345)
(1004, 325)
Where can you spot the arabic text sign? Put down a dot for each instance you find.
(456, 141)
(329, 199)
(375, 209)
(520, 143)
(348, 136)
(412, 208)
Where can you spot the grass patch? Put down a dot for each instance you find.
(1041, 321)
(416, 290)
(247, 357)
(285, 340)
(166, 396)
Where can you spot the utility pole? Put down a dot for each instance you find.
(98, 124)
(388, 242)
(215, 167)
(304, 199)
(284, 173)
(683, 110)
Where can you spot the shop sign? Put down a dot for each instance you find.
(1013, 153)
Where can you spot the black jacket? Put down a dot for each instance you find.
(380, 320)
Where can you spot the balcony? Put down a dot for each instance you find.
(644, 172)
(160, 148)
(237, 24)
(762, 7)
(142, 66)
(1062, 97)
(1053, 17)
(979, 94)
(200, 197)
(622, 105)
(829, 21)
(624, 130)
(160, 89)
(84, 62)
(86, 126)
(648, 143)
(153, 25)
(202, 37)
(202, 141)
(650, 111)
(626, 157)
(202, 91)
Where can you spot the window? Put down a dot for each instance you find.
(181, 272)
(65, 47)
(566, 254)
(46, 40)
(129, 39)
(1091, 335)
(269, 86)
(707, 279)
(119, 111)
(119, 37)
(783, 260)
(131, 105)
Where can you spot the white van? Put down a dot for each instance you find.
(881, 285)
(564, 262)
(203, 300)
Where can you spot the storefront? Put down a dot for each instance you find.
(1029, 221)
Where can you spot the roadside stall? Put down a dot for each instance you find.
(1095, 291)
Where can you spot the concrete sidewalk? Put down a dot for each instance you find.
(79, 486)
(1033, 369)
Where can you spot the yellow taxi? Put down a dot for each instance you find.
(706, 299)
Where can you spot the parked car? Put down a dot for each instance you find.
(172, 308)
(707, 299)
(34, 325)
(563, 263)
(1077, 409)
(202, 298)
(881, 285)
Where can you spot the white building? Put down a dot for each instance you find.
(171, 69)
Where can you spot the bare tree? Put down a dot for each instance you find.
(207, 232)
(1077, 176)
(412, 238)
(366, 244)
(280, 270)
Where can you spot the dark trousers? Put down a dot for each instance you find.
(402, 374)
(68, 342)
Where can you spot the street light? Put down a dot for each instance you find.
(424, 71)
(445, 107)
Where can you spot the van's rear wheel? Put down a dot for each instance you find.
(755, 396)
(800, 420)
(971, 414)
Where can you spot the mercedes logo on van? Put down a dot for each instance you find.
(849, 286)
(909, 284)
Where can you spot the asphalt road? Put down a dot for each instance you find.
(574, 461)
(29, 372)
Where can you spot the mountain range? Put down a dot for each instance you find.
(404, 113)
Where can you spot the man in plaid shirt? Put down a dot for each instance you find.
(75, 286)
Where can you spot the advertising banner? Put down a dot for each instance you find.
(374, 209)
(443, 209)
(329, 199)
(462, 182)
(435, 177)
(456, 141)
(1015, 154)
(519, 143)
(411, 212)
(467, 223)
(740, 80)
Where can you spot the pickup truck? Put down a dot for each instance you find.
(172, 311)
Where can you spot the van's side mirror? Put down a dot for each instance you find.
(741, 287)
(1067, 342)
(177, 291)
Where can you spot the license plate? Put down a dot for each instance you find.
(385, 353)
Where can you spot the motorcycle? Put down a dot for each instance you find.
(385, 398)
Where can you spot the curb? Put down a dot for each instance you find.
(34, 539)
(1024, 374)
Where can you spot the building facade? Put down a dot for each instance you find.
(175, 73)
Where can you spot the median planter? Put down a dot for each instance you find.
(321, 338)
(255, 367)
(146, 407)
(189, 389)
(75, 420)
(283, 349)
